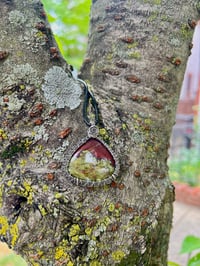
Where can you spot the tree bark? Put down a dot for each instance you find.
(137, 52)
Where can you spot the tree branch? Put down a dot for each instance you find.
(135, 64)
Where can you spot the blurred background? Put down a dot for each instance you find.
(69, 21)
(184, 160)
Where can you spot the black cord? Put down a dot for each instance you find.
(89, 97)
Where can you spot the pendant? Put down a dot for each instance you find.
(92, 162)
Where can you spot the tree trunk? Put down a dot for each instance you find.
(137, 51)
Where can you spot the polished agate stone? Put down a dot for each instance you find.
(92, 161)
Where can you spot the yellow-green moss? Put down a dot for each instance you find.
(70, 263)
(23, 163)
(28, 192)
(22, 87)
(9, 183)
(14, 232)
(109, 56)
(60, 253)
(135, 55)
(124, 126)
(132, 45)
(155, 38)
(111, 207)
(153, 16)
(3, 135)
(157, 2)
(154, 2)
(74, 230)
(103, 133)
(88, 231)
(95, 263)
(4, 226)
(106, 220)
(42, 210)
(185, 31)
(45, 188)
(118, 255)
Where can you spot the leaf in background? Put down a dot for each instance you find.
(194, 261)
(12, 260)
(170, 263)
(190, 243)
(70, 22)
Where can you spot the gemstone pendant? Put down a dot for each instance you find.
(92, 162)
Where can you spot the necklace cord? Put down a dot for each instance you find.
(89, 97)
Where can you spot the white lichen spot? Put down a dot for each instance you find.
(40, 133)
(92, 250)
(59, 152)
(17, 18)
(14, 104)
(60, 89)
(174, 41)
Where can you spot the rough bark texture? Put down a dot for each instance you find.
(135, 63)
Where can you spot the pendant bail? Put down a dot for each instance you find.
(93, 131)
(91, 162)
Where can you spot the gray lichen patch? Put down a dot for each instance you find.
(14, 104)
(33, 39)
(60, 89)
(17, 18)
(20, 73)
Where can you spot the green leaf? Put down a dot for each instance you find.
(13, 259)
(170, 263)
(70, 21)
(194, 261)
(190, 243)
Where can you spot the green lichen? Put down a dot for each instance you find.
(88, 231)
(109, 56)
(157, 2)
(186, 33)
(133, 45)
(14, 232)
(165, 70)
(60, 253)
(129, 260)
(153, 16)
(154, 2)
(4, 226)
(3, 135)
(12, 229)
(95, 263)
(70, 263)
(118, 255)
(135, 55)
(104, 134)
(74, 230)
(111, 207)
(124, 126)
(42, 210)
(155, 38)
